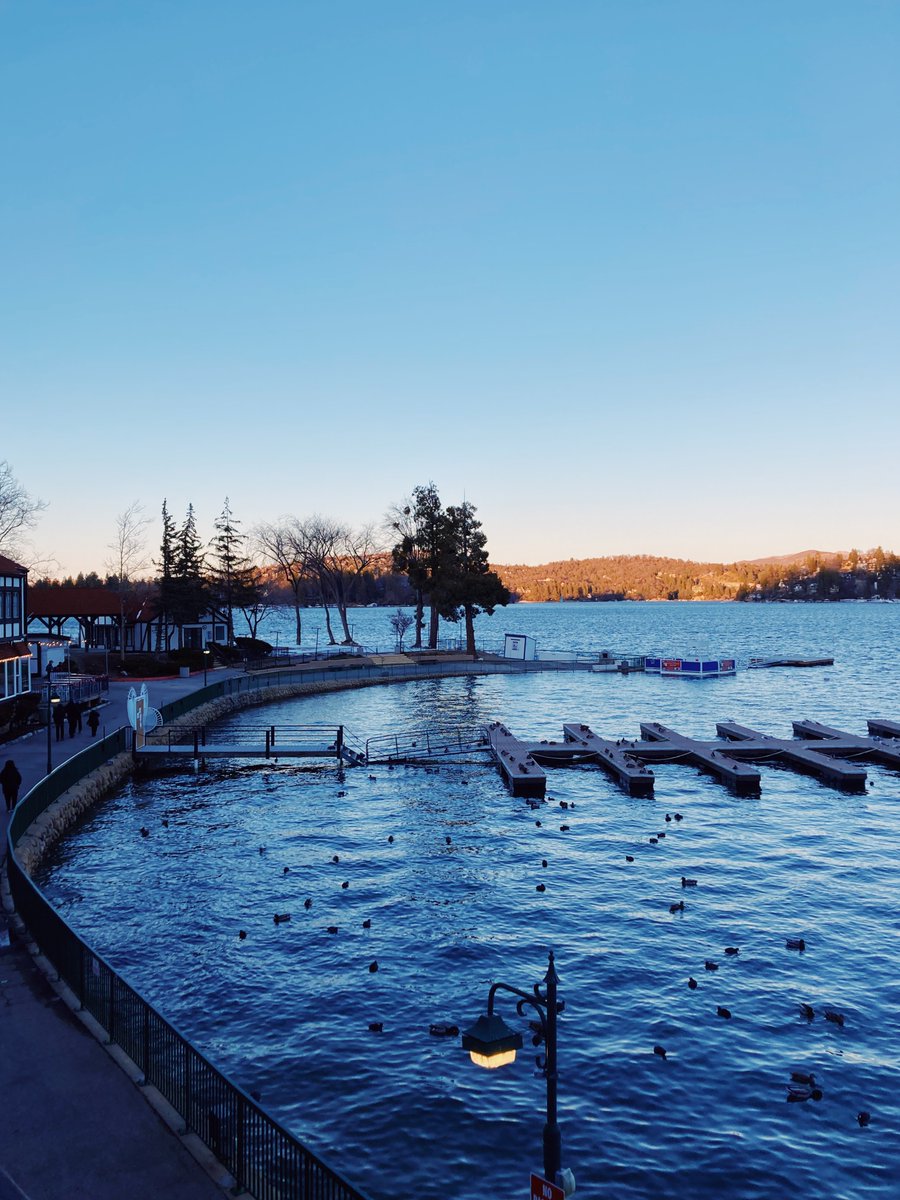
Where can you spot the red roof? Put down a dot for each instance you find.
(74, 602)
(8, 567)
(14, 650)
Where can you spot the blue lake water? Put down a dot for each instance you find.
(401, 1113)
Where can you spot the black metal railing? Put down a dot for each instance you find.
(264, 1157)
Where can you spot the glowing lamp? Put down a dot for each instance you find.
(491, 1043)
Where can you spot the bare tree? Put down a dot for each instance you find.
(18, 510)
(129, 557)
(400, 622)
(279, 543)
(258, 603)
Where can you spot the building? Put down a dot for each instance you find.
(15, 653)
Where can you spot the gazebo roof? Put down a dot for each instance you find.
(60, 603)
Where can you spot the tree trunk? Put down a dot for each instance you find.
(420, 619)
(297, 614)
(470, 631)
(433, 627)
(332, 640)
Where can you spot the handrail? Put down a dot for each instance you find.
(263, 1157)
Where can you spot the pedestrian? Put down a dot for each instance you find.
(59, 719)
(80, 710)
(11, 781)
(93, 720)
(72, 717)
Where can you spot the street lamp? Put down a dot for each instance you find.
(492, 1043)
(52, 700)
(206, 654)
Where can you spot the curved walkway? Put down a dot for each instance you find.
(75, 1126)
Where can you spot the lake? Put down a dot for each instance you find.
(453, 905)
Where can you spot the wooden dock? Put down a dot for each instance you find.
(520, 772)
(709, 757)
(629, 772)
(793, 753)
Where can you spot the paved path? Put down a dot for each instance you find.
(74, 1126)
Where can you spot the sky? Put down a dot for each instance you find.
(622, 273)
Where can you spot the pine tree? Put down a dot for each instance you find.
(188, 587)
(165, 577)
(233, 582)
(466, 584)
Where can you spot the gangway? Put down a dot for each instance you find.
(427, 745)
(253, 741)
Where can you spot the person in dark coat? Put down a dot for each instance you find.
(93, 720)
(72, 717)
(59, 720)
(79, 708)
(10, 780)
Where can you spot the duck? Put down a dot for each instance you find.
(541, 887)
(443, 1029)
(692, 983)
(543, 862)
(795, 944)
(659, 1051)
(280, 918)
(808, 1011)
(668, 818)
(563, 804)
(564, 829)
(242, 933)
(661, 834)
(165, 823)
(732, 950)
(629, 858)
(863, 1119)
(373, 967)
(332, 929)
(390, 839)
(679, 907)
(367, 923)
(345, 884)
(688, 882)
(307, 903)
(449, 840)
(335, 858)
(262, 849)
(679, 817)
(653, 841)
(722, 1011)
(376, 1026)
(373, 779)
(803, 1077)
(835, 1018)
(538, 824)
(145, 832)
(286, 871)
(340, 795)
(710, 965)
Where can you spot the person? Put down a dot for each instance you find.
(59, 720)
(11, 781)
(93, 720)
(72, 717)
(79, 709)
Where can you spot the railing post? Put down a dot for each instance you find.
(187, 1088)
(240, 1173)
(272, 727)
(339, 741)
(268, 743)
(110, 1008)
(146, 1043)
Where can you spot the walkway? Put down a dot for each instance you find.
(74, 1125)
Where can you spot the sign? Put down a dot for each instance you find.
(542, 1189)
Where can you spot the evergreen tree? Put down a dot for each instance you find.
(466, 584)
(233, 581)
(188, 587)
(165, 577)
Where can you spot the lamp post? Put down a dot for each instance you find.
(206, 654)
(52, 699)
(492, 1043)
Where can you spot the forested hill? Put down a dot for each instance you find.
(812, 574)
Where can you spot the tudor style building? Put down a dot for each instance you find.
(15, 653)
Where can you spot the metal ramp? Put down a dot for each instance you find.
(428, 745)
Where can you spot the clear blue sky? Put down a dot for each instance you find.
(624, 273)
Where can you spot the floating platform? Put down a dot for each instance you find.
(759, 663)
(690, 668)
